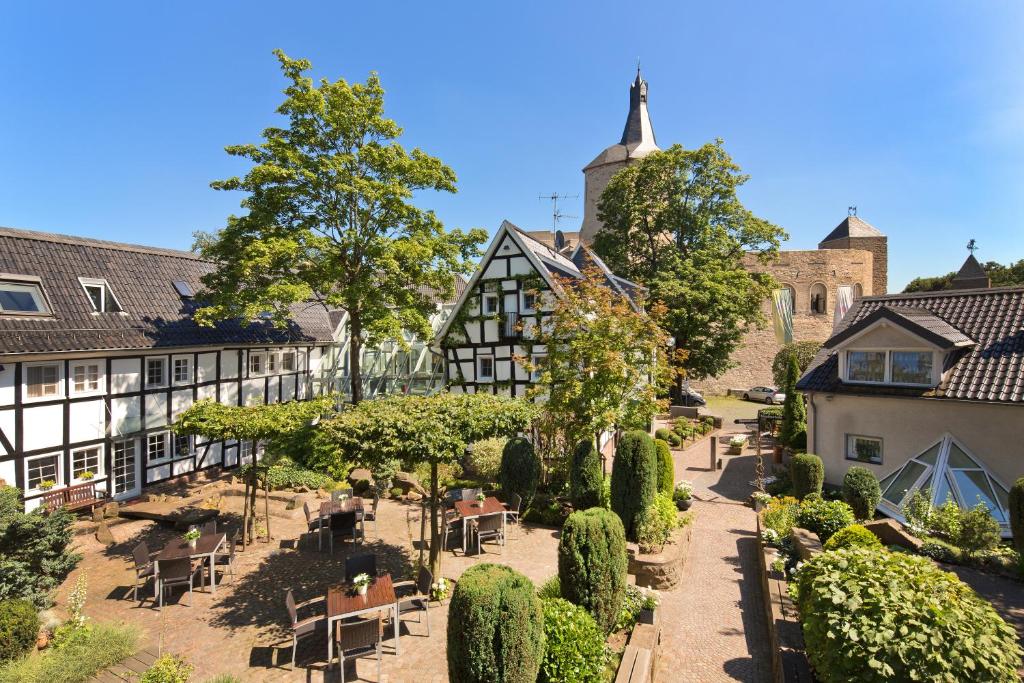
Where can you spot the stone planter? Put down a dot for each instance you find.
(663, 570)
(648, 616)
(684, 505)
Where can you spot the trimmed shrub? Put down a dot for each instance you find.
(35, 553)
(979, 531)
(666, 467)
(585, 478)
(574, 649)
(76, 656)
(861, 491)
(19, 627)
(1017, 514)
(879, 616)
(674, 440)
(10, 503)
(520, 469)
(940, 550)
(656, 524)
(808, 474)
(662, 434)
(824, 517)
(496, 629)
(634, 478)
(853, 536)
(286, 474)
(484, 458)
(552, 588)
(794, 413)
(167, 669)
(592, 563)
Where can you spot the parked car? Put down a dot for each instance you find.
(691, 398)
(769, 395)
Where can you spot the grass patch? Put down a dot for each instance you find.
(75, 658)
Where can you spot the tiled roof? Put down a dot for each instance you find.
(852, 226)
(990, 369)
(917, 320)
(141, 278)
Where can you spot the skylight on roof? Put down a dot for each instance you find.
(184, 289)
(20, 297)
(100, 295)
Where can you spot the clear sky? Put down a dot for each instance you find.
(114, 115)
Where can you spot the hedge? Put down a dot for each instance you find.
(853, 536)
(592, 563)
(666, 467)
(19, 628)
(876, 616)
(585, 478)
(861, 491)
(520, 470)
(634, 478)
(1017, 514)
(574, 648)
(495, 627)
(808, 474)
(824, 517)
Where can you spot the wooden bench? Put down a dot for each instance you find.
(72, 497)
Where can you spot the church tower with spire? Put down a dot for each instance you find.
(637, 141)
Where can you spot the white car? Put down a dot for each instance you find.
(769, 395)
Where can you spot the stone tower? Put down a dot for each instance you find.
(854, 233)
(971, 276)
(637, 141)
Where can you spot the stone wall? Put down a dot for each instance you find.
(879, 248)
(595, 181)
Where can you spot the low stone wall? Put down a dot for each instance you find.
(806, 543)
(785, 636)
(891, 532)
(640, 658)
(664, 570)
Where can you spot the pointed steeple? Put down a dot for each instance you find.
(971, 275)
(638, 134)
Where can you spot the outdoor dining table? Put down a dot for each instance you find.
(333, 507)
(344, 602)
(207, 546)
(470, 509)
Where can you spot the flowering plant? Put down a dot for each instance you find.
(361, 580)
(761, 497)
(47, 484)
(770, 536)
(439, 589)
(86, 475)
(192, 534)
(738, 441)
(683, 491)
(480, 497)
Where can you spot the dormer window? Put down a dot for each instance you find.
(22, 297)
(865, 366)
(910, 367)
(100, 296)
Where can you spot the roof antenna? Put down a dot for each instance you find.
(557, 215)
(972, 246)
(851, 210)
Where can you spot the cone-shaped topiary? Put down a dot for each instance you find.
(666, 468)
(495, 627)
(861, 491)
(794, 413)
(592, 563)
(808, 474)
(634, 478)
(520, 470)
(1017, 515)
(585, 479)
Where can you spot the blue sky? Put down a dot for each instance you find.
(115, 115)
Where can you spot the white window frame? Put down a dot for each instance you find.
(273, 362)
(523, 308)
(288, 363)
(479, 372)
(188, 370)
(261, 356)
(33, 287)
(100, 377)
(163, 371)
(537, 359)
(190, 442)
(490, 296)
(246, 450)
(87, 282)
(58, 477)
(887, 375)
(59, 394)
(850, 452)
(97, 471)
(167, 448)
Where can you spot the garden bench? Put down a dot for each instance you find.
(72, 497)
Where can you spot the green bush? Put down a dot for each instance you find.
(824, 517)
(803, 351)
(794, 413)
(808, 474)
(940, 550)
(674, 440)
(662, 433)
(946, 521)
(861, 491)
(657, 523)
(167, 669)
(666, 467)
(634, 478)
(495, 627)
(574, 648)
(19, 627)
(979, 531)
(780, 515)
(853, 536)
(545, 510)
(286, 474)
(35, 554)
(484, 458)
(879, 616)
(552, 588)
(76, 657)
(592, 563)
(10, 502)
(520, 470)
(1017, 515)
(632, 603)
(585, 478)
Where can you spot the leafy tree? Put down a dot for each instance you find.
(803, 351)
(673, 221)
(1001, 276)
(794, 413)
(330, 220)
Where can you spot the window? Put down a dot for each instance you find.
(858, 291)
(182, 371)
(864, 449)
(912, 367)
(288, 361)
(100, 296)
(85, 377)
(272, 359)
(485, 368)
(245, 451)
(85, 460)
(156, 447)
(43, 468)
(182, 445)
(256, 363)
(529, 302)
(538, 361)
(184, 289)
(865, 366)
(819, 299)
(22, 298)
(490, 306)
(43, 380)
(155, 372)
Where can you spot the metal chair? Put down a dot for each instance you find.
(415, 595)
(513, 508)
(340, 494)
(302, 627)
(145, 568)
(227, 559)
(471, 494)
(360, 638)
(490, 526)
(209, 528)
(371, 514)
(180, 572)
(343, 524)
(360, 564)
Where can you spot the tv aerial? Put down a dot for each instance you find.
(557, 215)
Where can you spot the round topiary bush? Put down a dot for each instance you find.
(808, 474)
(574, 648)
(520, 470)
(585, 478)
(824, 517)
(666, 467)
(1017, 514)
(495, 627)
(662, 433)
(592, 563)
(634, 478)
(853, 536)
(880, 616)
(19, 628)
(861, 491)
(674, 440)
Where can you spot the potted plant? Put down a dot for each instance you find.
(439, 590)
(47, 484)
(361, 582)
(760, 499)
(683, 495)
(86, 475)
(648, 608)
(192, 535)
(480, 498)
(736, 444)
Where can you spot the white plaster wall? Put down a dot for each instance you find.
(252, 392)
(207, 392)
(229, 393)
(125, 415)
(8, 472)
(495, 270)
(7, 427)
(213, 455)
(468, 371)
(503, 370)
(44, 426)
(7, 384)
(287, 388)
(88, 421)
(206, 370)
(472, 332)
(303, 390)
(182, 466)
(511, 303)
(180, 402)
(161, 472)
(490, 331)
(125, 375)
(315, 356)
(228, 364)
(273, 392)
(520, 265)
(156, 410)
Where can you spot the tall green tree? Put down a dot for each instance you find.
(673, 222)
(330, 219)
(794, 413)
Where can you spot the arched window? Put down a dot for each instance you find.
(858, 291)
(819, 298)
(792, 295)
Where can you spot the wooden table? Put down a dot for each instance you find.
(207, 546)
(343, 602)
(331, 507)
(470, 509)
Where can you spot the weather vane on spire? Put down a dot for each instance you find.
(972, 246)
(851, 210)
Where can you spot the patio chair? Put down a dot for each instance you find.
(227, 559)
(343, 524)
(512, 509)
(360, 564)
(471, 494)
(360, 638)
(489, 526)
(415, 595)
(371, 514)
(302, 627)
(145, 568)
(340, 494)
(209, 528)
(180, 572)
(450, 496)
